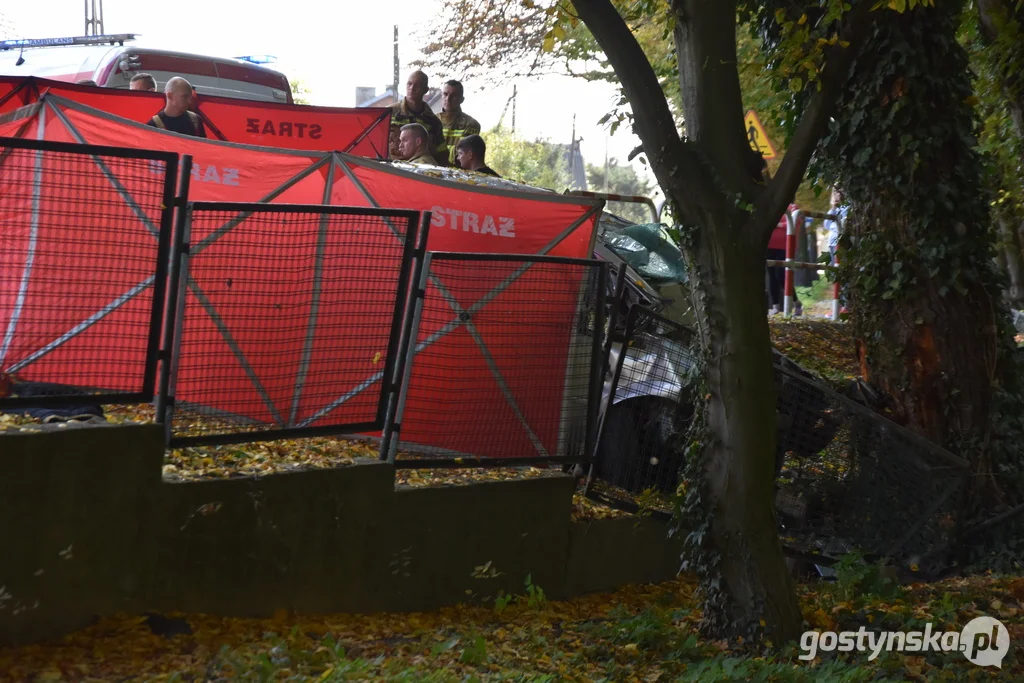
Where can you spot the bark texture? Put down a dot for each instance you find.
(920, 277)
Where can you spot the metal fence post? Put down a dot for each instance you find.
(176, 319)
(616, 372)
(597, 369)
(162, 281)
(607, 372)
(420, 294)
(407, 338)
(178, 248)
(790, 289)
(835, 286)
(613, 317)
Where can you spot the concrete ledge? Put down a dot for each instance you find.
(249, 546)
(439, 536)
(88, 528)
(607, 553)
(73, 502)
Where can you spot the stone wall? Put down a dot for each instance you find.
(89, 528)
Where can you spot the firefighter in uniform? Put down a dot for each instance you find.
(176, 115)
(413, 145)
(457, 123)
(412, 109)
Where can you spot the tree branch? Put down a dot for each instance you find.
(679, 169)
(780, 191)
(709, 86)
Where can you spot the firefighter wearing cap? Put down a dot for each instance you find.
(457, 123)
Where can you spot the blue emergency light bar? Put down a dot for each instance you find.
(258, 59)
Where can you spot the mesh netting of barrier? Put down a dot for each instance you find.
(851, 479)
(291, 318)
(86, 234)
(848, 478)
(647, 409)
(505, 369)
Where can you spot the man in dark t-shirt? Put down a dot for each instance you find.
(176, 115)
(470, 152)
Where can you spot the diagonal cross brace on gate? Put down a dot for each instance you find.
(129, 201)
(460, 318)
(390, 441)
(288, 427)
(314, 307)
(19, 304)
(209, 308)
(161, 234)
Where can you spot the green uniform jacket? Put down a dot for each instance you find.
(456, 127)
(401, 115)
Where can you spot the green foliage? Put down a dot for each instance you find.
(541, 163)
(819, 291)
(770, 669)
(857, 578)
(277, 657)
(893, 146)
(300, 92)
(997, 62)
(653, 631)
(475, 652)
(534, 598)
(902, 6)
(621, 180)
(794, 35)
(502, 602)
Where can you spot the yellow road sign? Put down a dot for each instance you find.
(758, 139)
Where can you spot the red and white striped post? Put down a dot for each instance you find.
(835, 287)
(790, 286)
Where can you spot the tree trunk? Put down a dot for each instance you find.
(747, 588)
(922, 287)
(932, 353)
(740, 456)
(729, 304)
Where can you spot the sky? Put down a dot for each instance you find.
(333, 47)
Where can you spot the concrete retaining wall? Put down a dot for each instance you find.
(88, 528)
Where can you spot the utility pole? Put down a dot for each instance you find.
(394, 84)
(513, 110)
(94, 18)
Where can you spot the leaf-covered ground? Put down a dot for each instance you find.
(819, 345)
(640, 633)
